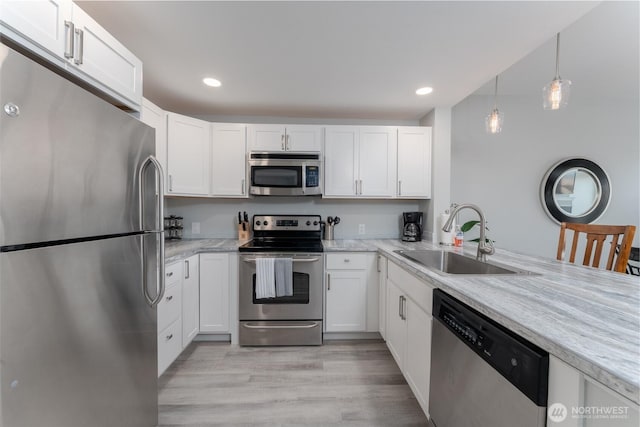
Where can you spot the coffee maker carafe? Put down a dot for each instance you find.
(412, 229)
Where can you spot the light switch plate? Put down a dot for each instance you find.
(361, 229)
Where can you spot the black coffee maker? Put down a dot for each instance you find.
(412, 229)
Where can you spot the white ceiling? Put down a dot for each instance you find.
(327, 59)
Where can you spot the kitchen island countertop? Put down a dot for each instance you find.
(588, 318)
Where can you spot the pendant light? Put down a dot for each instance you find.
(494, 120)
(556, 94)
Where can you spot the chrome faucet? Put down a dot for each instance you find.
(484, 248)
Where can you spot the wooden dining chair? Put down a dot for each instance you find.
(596, 236)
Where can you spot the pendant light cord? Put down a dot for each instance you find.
(558, 57)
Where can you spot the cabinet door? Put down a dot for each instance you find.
(414, 162)
(214, 293)
(377, 161)
(396, 326)
(169, 345)
(382, 295)
(346, 302)
(418, 356)
(187, 155)
(228, 160)
(190, 300)
(267, 138)
(340, 163)
(41, 23)
(102, 58)
(303, 138)
(154, 116)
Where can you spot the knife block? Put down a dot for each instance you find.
(244, 235)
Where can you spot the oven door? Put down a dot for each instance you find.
(306, 302)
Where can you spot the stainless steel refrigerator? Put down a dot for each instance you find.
(81, 243)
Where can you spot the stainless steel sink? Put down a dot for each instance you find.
(453, 263)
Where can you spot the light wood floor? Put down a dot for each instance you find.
(350, 383)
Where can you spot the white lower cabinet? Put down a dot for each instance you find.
(215, 279)
(351, 293)
(577, 400)
(169, 317)
(408, 329)
(382, 295)
(190, 300)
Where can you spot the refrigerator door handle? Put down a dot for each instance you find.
(160, 273)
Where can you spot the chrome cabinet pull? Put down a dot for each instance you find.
(170, 182)
(242, 187)
(328, 281)
(286, 144)
(169, 337)
(378, 264)
(347, 260)
(187, 272)
(69, 35)
(282, 143)
(169, 298)
(356, 187)
(404, 308)
(169, 274)
(400, 306)
(361, 187)
(80, 56)
(399, 188)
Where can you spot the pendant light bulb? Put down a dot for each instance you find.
(493, 122)
(556, 94)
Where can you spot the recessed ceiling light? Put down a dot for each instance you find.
(212, 82)
(424, 90)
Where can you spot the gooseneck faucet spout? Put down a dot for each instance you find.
(484, 248)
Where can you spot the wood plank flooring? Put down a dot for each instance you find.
(346, 383)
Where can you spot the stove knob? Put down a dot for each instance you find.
(265, 223)
(315, 222)
(258, 223)
(308, 223)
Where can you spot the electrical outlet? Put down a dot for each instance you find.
(195, 228)
(361, 229)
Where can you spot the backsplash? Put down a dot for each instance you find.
(218, 218)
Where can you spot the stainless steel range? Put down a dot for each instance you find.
(280, 295)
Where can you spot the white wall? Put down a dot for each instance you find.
(218, 217)
(502, 173)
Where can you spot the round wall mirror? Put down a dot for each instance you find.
(575, 190)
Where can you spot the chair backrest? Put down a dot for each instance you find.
(598, 234)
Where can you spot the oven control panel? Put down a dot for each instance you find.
(286, 222)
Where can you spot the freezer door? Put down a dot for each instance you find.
(77, 338)
(68, 160)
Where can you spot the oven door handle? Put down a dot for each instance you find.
(293, 259)
(309, 326)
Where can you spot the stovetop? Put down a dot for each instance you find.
(285, 233)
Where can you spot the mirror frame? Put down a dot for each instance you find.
(549, 183)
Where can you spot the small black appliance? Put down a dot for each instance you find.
(412, 228)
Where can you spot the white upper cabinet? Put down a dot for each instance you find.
(154, 116)
(285, 138)
(40, 24)
(414, 162)
(63, 34)
(188, 156)
(377, 153)
(228, 160)
(103, 59)
(341, 161)
(360, 161)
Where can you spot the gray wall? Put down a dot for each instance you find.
(218, 217)
(502, 173)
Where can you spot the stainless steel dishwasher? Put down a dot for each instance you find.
(481, 373)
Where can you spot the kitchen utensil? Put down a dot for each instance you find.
(336, 220)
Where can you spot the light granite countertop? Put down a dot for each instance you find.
(587, 317)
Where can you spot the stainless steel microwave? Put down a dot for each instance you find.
(285, 174)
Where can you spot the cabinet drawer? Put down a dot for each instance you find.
(170, 308)
(169, 345)
(416, 289)
(173, 273)
(346, 261)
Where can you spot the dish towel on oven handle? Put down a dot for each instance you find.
(265, 278)
(284, 277)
